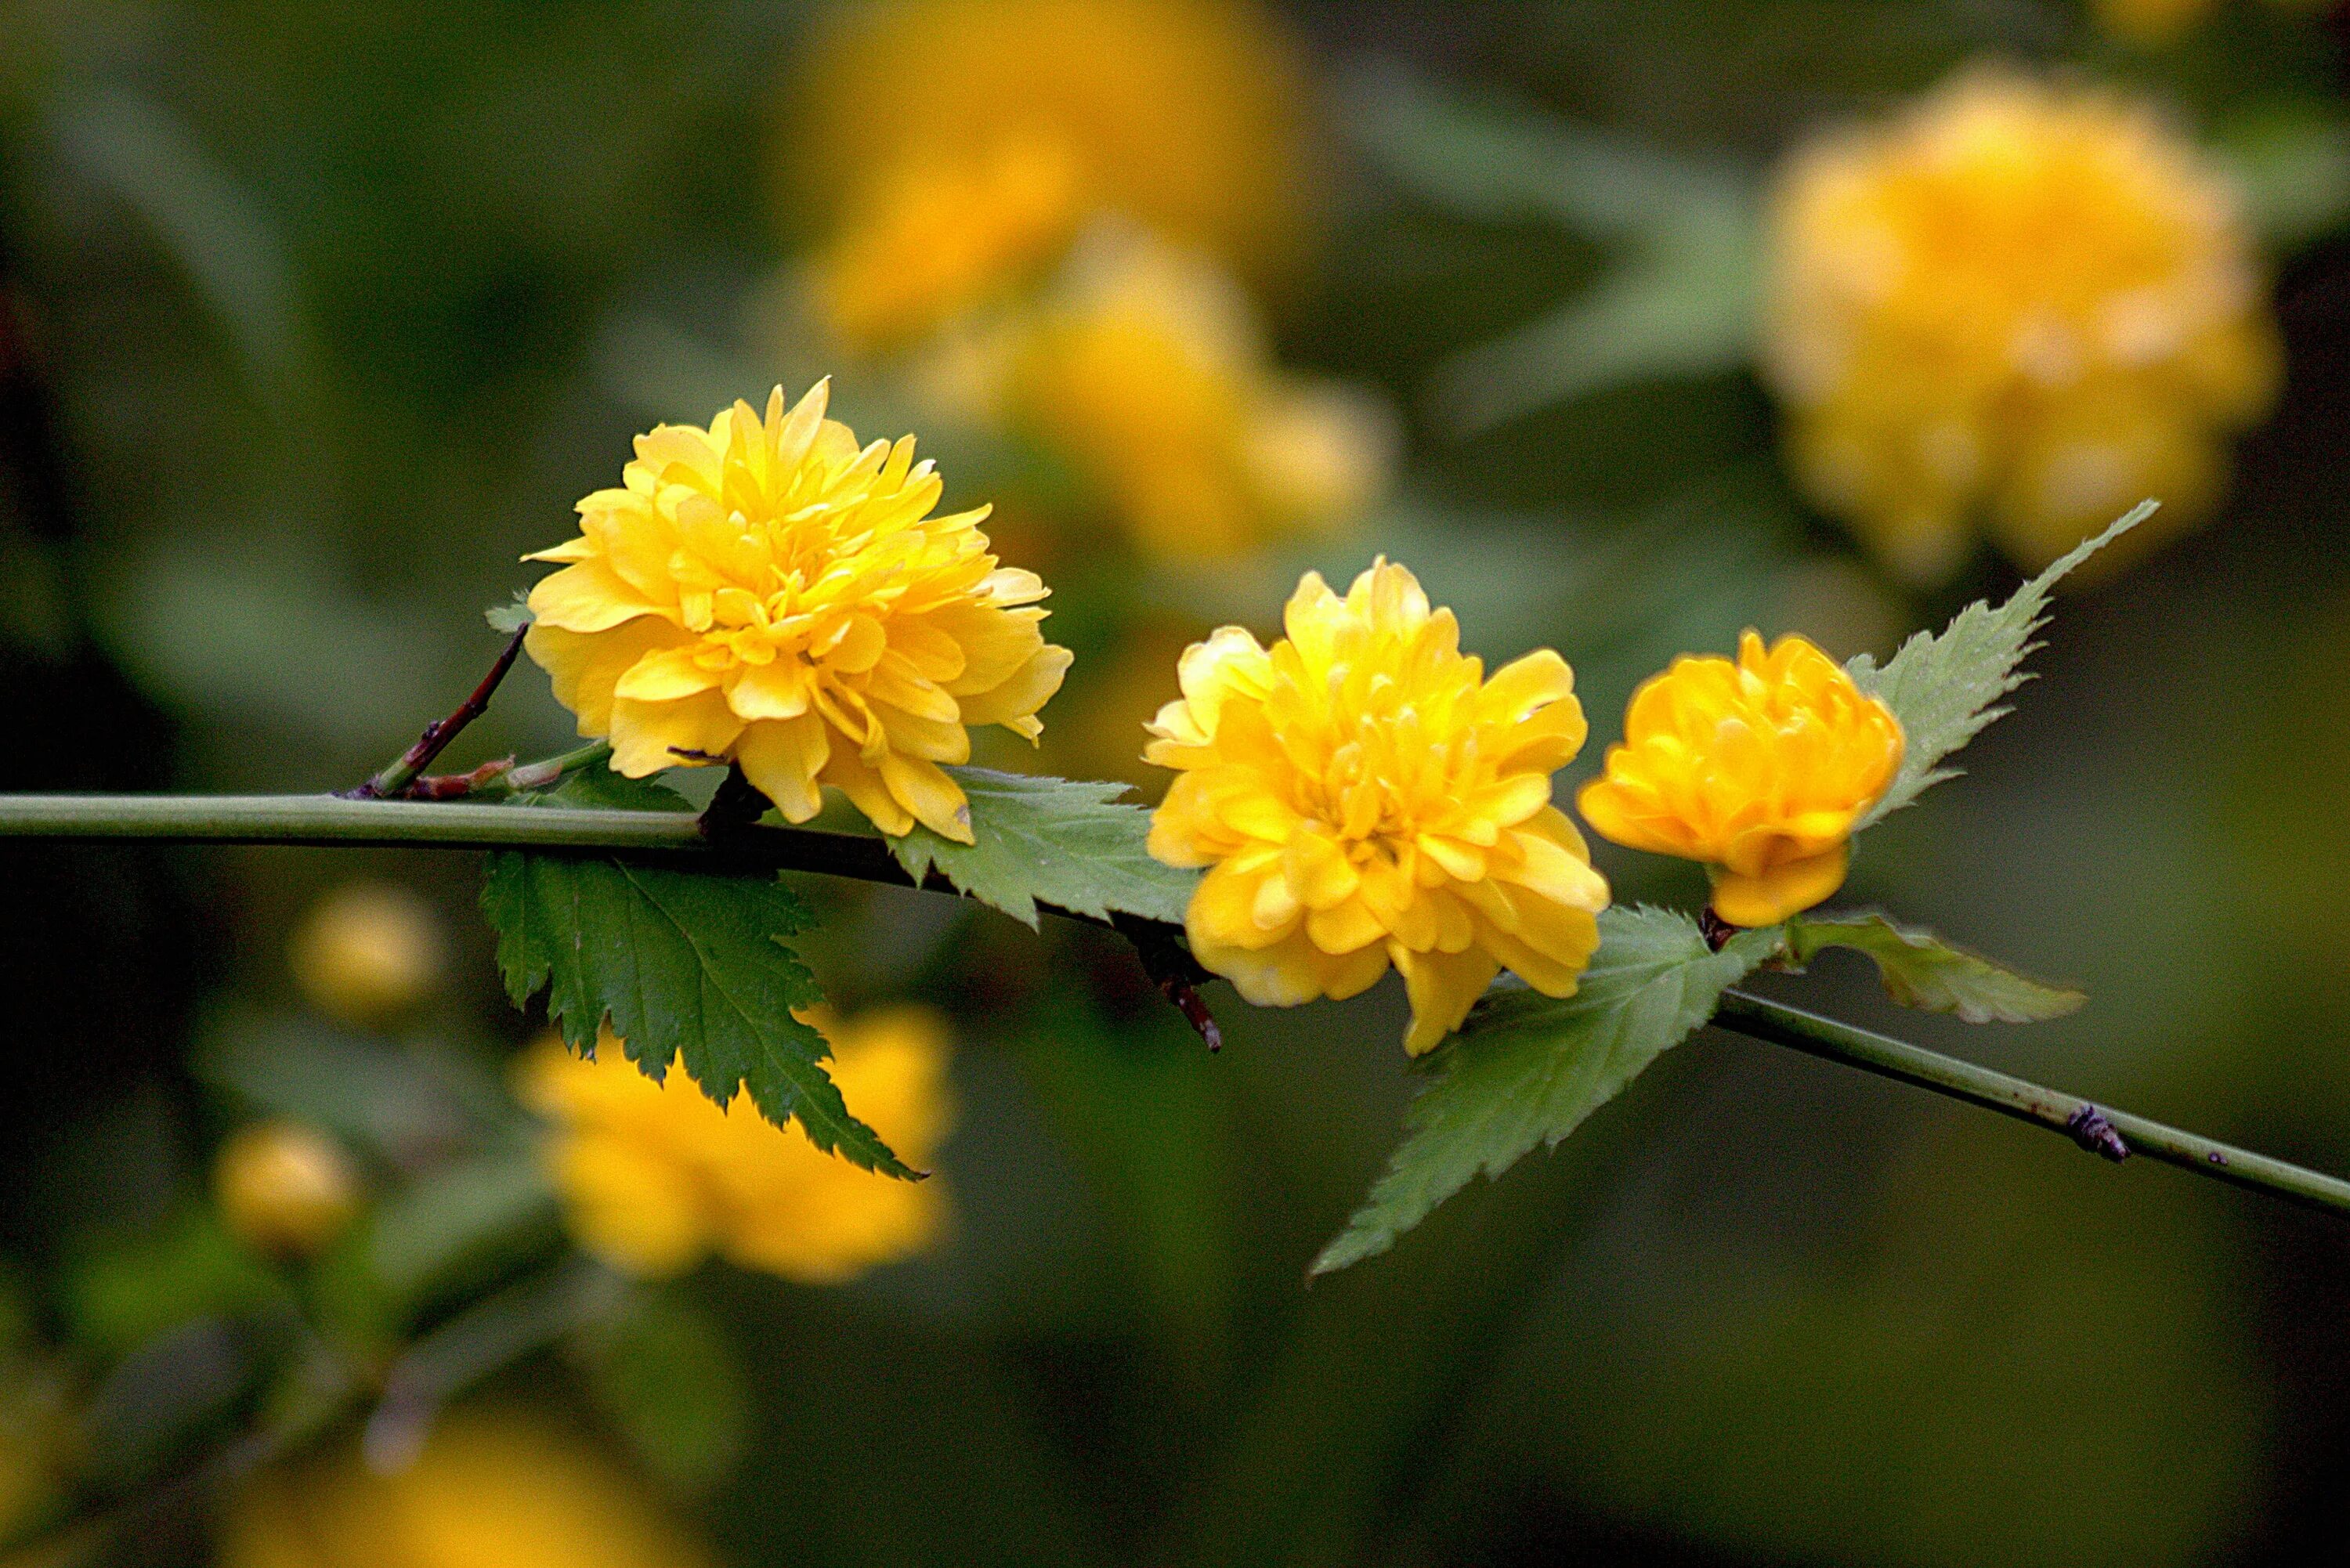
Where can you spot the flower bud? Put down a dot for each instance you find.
(283, 1188)
(367, 952)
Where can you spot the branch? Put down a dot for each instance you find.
(669, 837)
(679, 838)
(395, 780)
(2115, 1135)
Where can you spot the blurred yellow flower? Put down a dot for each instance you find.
(283, 1188)
(367, 952)
(767, 593)
(1100, 725)
(1150, 376)
(1362, 795)
(1758, 768)
(1026, 119)
(655, 1177)
(2036, 303)
(489, 1490)
(934, 240)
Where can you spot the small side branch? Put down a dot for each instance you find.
(1173, 970)
(395, 781)
(2113, 1134)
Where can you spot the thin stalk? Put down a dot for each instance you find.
(683, 839)
(401, 773)
(2114, 1134)
(674, 838)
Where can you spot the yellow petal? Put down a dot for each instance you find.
(847, 771)
(1022, 693)
(585, 669)
(1442, 987)
(1784, 891)
(589, 597)
(782, 758)
(923, 789)
(780, 689)
(649, 736)
(665, 676)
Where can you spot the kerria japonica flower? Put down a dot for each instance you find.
(1759, 769)
(766, 592)
(2015, 304)
(1030, 120)
(1363, 797)
(655, 1177)
(1150, 374)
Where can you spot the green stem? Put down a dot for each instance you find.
(540, 774)
(681, 839)
(2079, 1119)
(674, 838)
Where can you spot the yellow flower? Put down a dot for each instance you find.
(2036, 305)
(767, 593)
(1150, 377)
(487, 1491)
(1362, 795)
(654, 1175)
(283, 1188)
(1758, 768)
(935, 239)
(1026, 119)
(367, 952)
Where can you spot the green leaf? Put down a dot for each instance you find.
(1070, 843)
(1921, 970)
(1679, 299)
(1945, 689)
(511, 616)
(1526, 1069)
(689, 966)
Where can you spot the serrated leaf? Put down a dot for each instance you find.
(1069, 843)
(511, 616)
(1945, 689)
(1919, 970)
(1526, 1069)
(689, 966)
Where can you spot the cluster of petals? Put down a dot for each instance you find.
(1033, 118)
(766, 592)
(655, 1177)
(1150, 374)
(1760, 769)
(490, 1485)
(1363, 797)
(2024, 304)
